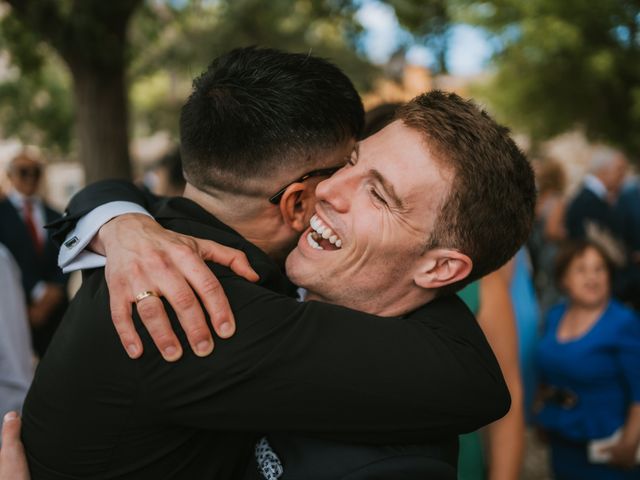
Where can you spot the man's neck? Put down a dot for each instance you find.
(253, 221)
(384, 306)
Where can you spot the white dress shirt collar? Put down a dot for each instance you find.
(18, 199)
(593, 183)
(38, 213)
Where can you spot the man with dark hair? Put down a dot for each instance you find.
(249, 117)
(593, 204)
(311, 367)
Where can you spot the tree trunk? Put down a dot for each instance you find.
(91, 37)
(102, 122)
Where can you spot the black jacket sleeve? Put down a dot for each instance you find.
(329, 370)
(95, 195)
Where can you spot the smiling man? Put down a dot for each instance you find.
(409, 213)
(382, 208)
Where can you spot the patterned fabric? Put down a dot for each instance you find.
(268, 462)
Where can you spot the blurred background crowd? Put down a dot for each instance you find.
(92, 89)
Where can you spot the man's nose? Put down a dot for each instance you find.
(335, 191)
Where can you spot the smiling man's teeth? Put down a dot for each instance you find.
(312, 242)
(322, 231)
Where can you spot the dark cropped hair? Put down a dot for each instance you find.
(570, 250)
(256, 112)
(489, 210)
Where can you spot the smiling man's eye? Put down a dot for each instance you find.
(377, 195)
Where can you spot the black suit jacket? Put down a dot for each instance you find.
(308, 368)
(34, 267)
(628, 207)
(306, 458)
(15, 236)
(586, 207)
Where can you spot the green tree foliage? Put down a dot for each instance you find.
(60, 47)
(429, 23)
(172, 44)
(90, 36)
(557, 65)
(566, 64)
(35, 104)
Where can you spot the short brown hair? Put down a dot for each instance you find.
(570, 250)
(489, 210)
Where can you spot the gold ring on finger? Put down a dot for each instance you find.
(147, 293)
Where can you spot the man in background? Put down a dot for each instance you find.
(166, 177)
(593, 206)
(595, 214)
(23, 215)
(628, 207)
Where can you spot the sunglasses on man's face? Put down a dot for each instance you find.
(28, 172)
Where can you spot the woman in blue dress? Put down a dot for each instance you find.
(589, 366)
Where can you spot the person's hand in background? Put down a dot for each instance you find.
(13, 461)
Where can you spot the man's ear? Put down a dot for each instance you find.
(442, 266)
(297, 204)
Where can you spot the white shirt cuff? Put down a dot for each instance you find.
(73, 254)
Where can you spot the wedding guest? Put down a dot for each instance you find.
(16, 359)
(593, 204)
(548, 229)
(588, 362)
(23, 215)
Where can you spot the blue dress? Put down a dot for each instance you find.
(602, 367)
(527, 316)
